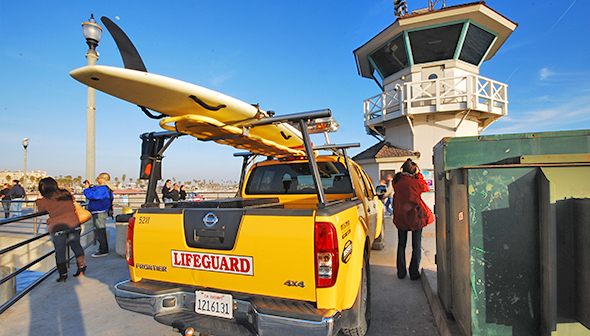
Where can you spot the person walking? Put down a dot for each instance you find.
(16, 193)
(100, 201)
(381, 189)
(388, 196)
(410, 213)
(64, 227)
(5, 199)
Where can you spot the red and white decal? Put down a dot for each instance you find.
(213, 262)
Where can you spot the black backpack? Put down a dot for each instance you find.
(110, 212)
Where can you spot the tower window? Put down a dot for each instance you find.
(390, 58)
(435, 44)
(477, 42)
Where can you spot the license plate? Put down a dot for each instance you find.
(214, 304)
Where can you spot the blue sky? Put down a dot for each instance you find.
(288, 56)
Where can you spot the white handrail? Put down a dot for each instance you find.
(464, 92)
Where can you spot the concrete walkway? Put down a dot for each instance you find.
(80, 306)
(400, 306)
(86, 305)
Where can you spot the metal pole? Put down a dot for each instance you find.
(312, 164)
(25, 174)
(92, 57)
(35, 223)
(8, 289)
(243, 173)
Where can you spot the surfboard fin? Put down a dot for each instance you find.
(131, 58)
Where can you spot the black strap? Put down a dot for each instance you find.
(112, 213)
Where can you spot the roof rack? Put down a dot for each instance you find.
(302, 119)
(152, 154)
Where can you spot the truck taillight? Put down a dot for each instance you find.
(129, 243)
(326, 252)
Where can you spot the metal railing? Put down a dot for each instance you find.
(36, 237)
(441, 94)
(22, 211)
(25, 214)
(135, 200)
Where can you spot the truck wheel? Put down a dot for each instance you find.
(379, 242)
(365, 296)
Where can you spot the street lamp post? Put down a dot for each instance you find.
(25, 145)
(92, 33)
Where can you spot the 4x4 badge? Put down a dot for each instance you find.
(294, 283)
(210, 219)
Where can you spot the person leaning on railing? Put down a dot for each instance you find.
(167, 192)
(64, 227)
(16, 193)
(5, 199)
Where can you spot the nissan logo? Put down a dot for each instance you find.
(210, 219)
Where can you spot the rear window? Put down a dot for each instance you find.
(295, 178)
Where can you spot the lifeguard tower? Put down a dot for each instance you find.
(427, 66)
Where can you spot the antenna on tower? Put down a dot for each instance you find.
(432, 3)
(400, 8)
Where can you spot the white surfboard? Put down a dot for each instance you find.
(195, 110)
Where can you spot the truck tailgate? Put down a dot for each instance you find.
(259, 251)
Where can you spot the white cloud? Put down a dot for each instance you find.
(564, 77)
(545, 73)
(574, 115)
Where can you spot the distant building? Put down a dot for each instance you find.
(7, 176)
(383, 159)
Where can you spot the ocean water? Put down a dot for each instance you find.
(26, 278)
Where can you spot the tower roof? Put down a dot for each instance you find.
(479, 14)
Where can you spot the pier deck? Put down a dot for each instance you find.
(86, 305)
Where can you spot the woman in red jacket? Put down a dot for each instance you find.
(410, 213)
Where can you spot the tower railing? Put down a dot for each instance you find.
(453, 94)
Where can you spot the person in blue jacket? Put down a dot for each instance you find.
(100, 200)
(16, 193)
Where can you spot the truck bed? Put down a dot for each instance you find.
(239, 203)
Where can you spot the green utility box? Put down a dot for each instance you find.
(513, 232)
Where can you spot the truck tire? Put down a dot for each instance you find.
(365, 296)
(379, 242)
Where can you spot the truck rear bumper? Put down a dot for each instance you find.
(174, 304)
